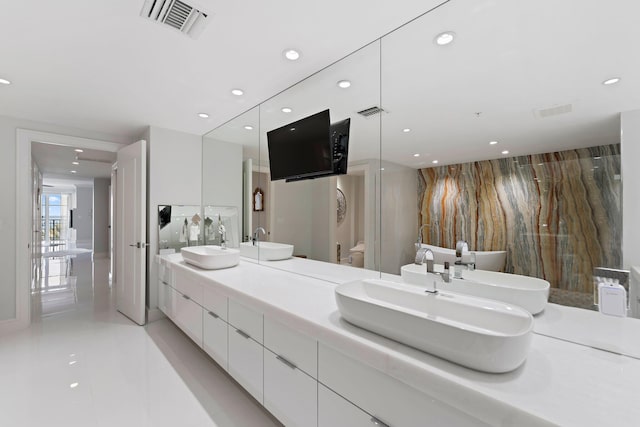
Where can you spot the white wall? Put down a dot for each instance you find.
(8, 170)
(351, 230)
(630, 153)
(101, 217)
(83, 217)
(399, 216)
(174, 177)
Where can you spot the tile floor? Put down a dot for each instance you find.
(82, 363)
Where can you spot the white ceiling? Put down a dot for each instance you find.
(508, 60)
(100, 66)
(56, 161)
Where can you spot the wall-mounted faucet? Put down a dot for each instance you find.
(256, 235)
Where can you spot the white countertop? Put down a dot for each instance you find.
(560, 383)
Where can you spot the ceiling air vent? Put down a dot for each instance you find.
(370, 111)
(553, 111)
(176, 14)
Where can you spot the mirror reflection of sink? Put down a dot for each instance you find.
(482, 334)
(211, 257)
(267, 251)
(529, 293)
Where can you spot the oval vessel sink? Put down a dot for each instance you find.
(529, 293)
(211, 257)
(481, 334)
(266, 251)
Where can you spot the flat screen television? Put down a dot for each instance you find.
(302, 149)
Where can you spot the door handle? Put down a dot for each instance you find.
(139, 245)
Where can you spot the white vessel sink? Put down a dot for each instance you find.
(211, 257)
(482, 334)
(529, 293)
(266, 251)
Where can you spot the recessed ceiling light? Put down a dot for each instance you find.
(597, 157)
(73, 385)
(611, 81)
(79, 150)
(505, 152)
(247, 127)
(416, 155)
(381, 169)
(445, 38)
(75, 163)
(292, 129)
(435, 162)
(286, 110)
(203, 115)
(493, 142)
(73, 171)
(405, 130)
(237, 92)
(344, 84)
(291, 54)
(5, 82)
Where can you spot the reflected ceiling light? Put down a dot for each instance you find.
(203, 115)
(493, 142)
(416, 155)
(286, 110)
(445, 38)
(79, 150)
(247, 127)
(291, 54)
(73, 171)
(75, 163)
(73, 385)
(597, 157)
(5, 82)
(292, 129)
(611, 81)
(405, 130)
(344, 84)
(435, 162)
(237, 92)
(505, 152)
(381, 169)
(73, 362)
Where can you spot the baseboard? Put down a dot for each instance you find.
(100, 255)
(154, 314)
(12, 325)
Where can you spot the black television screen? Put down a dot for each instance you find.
(301, 149)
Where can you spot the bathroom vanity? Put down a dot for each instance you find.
(281, 337)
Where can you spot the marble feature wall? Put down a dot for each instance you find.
(558, 215)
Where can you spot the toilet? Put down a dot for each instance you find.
(356, 254)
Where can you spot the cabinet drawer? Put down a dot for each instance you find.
(246, 319)
(165, 274)
(214, 301)
(188, 284)
(188, 317)
(289, 394)
(292, 345)
(370, 390)
(215, 338)
(164, 297)
(334, 411)
(246, 363)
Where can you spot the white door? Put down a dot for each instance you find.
(131, 231)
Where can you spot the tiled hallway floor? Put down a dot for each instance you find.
(81, 363)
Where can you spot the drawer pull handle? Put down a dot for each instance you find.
(377, 422)
(243, 334)
(286, 362)
(165, 283)
(186, 297)
(211, 313)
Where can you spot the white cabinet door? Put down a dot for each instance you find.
(246, 319)
(188, 316)
(169, 300)
(162, 305)
(245, 362)
(215, 338)
(294, 346)
(334, 411)
(289, 394)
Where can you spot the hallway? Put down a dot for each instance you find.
(81, 363)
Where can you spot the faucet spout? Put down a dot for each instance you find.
(256, 236)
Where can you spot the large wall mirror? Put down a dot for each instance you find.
(467, 123)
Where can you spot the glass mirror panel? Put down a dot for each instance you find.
(512, 138)
(228, 218)
(331, 219)
(228, 155)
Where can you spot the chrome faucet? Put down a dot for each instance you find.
(423, 255)
(446, 276)
(419, 242)
(256, 235)
(223, 234)
(462, 248)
